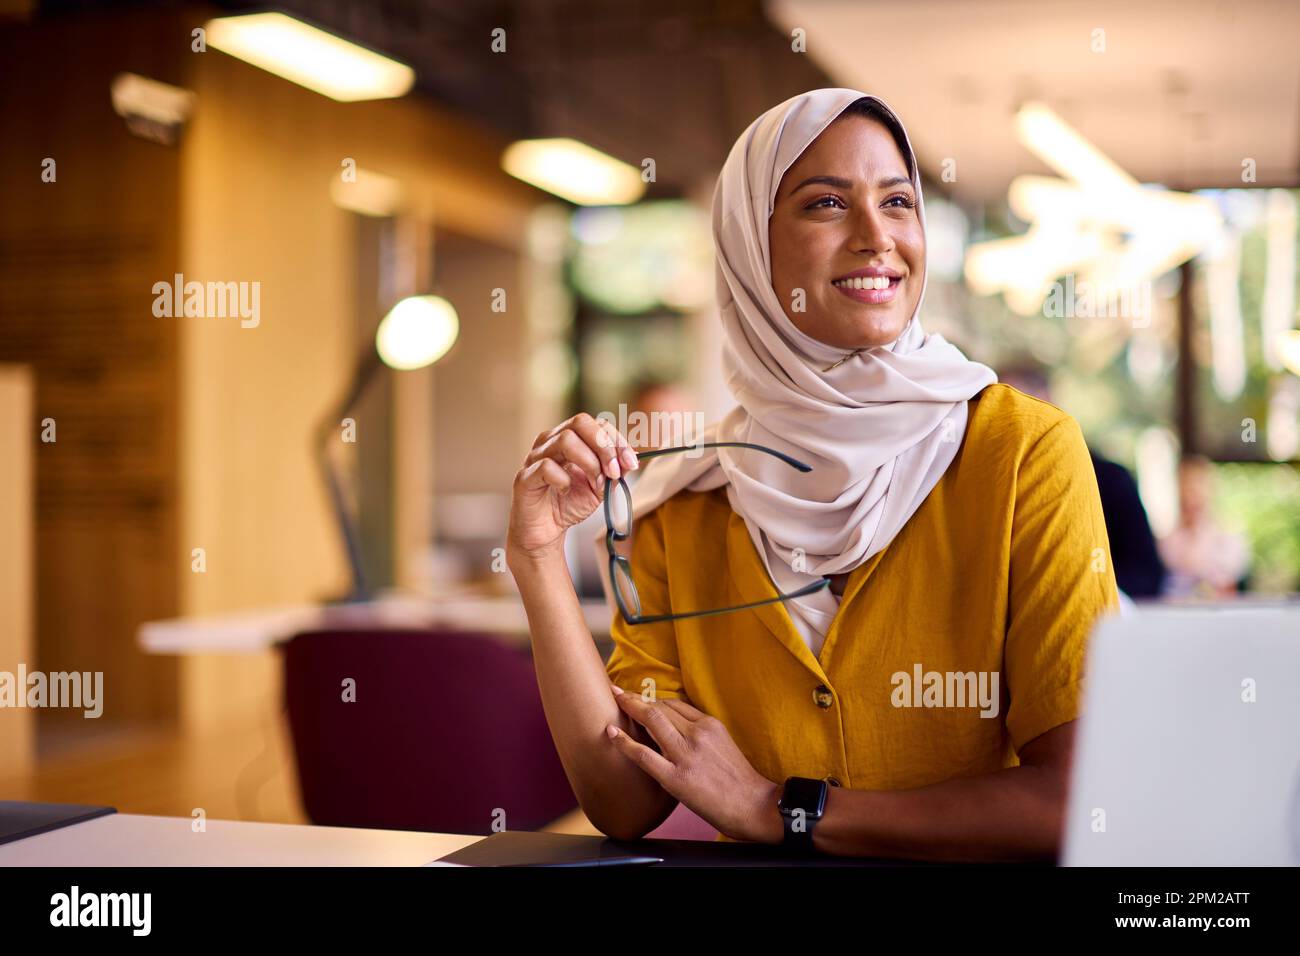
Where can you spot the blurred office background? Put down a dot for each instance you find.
(1111, 196)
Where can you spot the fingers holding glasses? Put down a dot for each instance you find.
(620, 451)
(561, 482)
(546, 473)
(568, 448)
(611, 449)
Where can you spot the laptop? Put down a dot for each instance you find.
(525, 848)
(20, 819)
(1188, 750)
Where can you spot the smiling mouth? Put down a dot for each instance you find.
(869, 289)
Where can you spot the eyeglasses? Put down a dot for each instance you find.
(620, 568)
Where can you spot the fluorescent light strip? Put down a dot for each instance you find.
(573, 171)
(310, 57)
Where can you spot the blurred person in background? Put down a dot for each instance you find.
(670, 409)
(1205, 559)
(1138, 567)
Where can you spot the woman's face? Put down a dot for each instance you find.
(847, 209)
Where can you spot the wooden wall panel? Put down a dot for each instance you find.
(17, 576)
(78, 258)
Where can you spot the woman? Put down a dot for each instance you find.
(924, 701)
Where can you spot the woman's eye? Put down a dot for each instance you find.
(825, 199)
(900, 201)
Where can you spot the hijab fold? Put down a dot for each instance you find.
(879, 429)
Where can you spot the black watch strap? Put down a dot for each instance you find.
(802, 802)
(797, 839)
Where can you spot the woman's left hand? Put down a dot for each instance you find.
(702, 767)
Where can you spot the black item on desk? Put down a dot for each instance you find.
(527, 848)
(19, 820)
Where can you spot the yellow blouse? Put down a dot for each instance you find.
(992, 586)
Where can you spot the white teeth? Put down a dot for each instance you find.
(864, 282)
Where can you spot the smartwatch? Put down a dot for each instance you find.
(803, 801)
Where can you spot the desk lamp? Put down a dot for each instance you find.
(417, 332)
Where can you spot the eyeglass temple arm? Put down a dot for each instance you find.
(792, 462)
(658, 618)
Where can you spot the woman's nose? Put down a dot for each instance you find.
(871, 232)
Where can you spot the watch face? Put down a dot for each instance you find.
(804, 793)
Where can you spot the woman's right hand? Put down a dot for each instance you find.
(562, 482)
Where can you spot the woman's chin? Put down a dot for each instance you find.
(866, 332)
(860, 327)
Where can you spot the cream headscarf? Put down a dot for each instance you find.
(879, 430)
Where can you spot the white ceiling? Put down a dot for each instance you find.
(1184, 92)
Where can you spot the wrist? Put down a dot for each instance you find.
(522, 561)
(765, 824)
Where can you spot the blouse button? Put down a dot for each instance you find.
(833, 782)
(822, 697)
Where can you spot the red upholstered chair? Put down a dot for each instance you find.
(447, 729)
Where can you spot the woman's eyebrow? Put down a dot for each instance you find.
(840, 183)
(836, 181)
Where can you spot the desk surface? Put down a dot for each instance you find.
(126, 839)
(244, 632)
